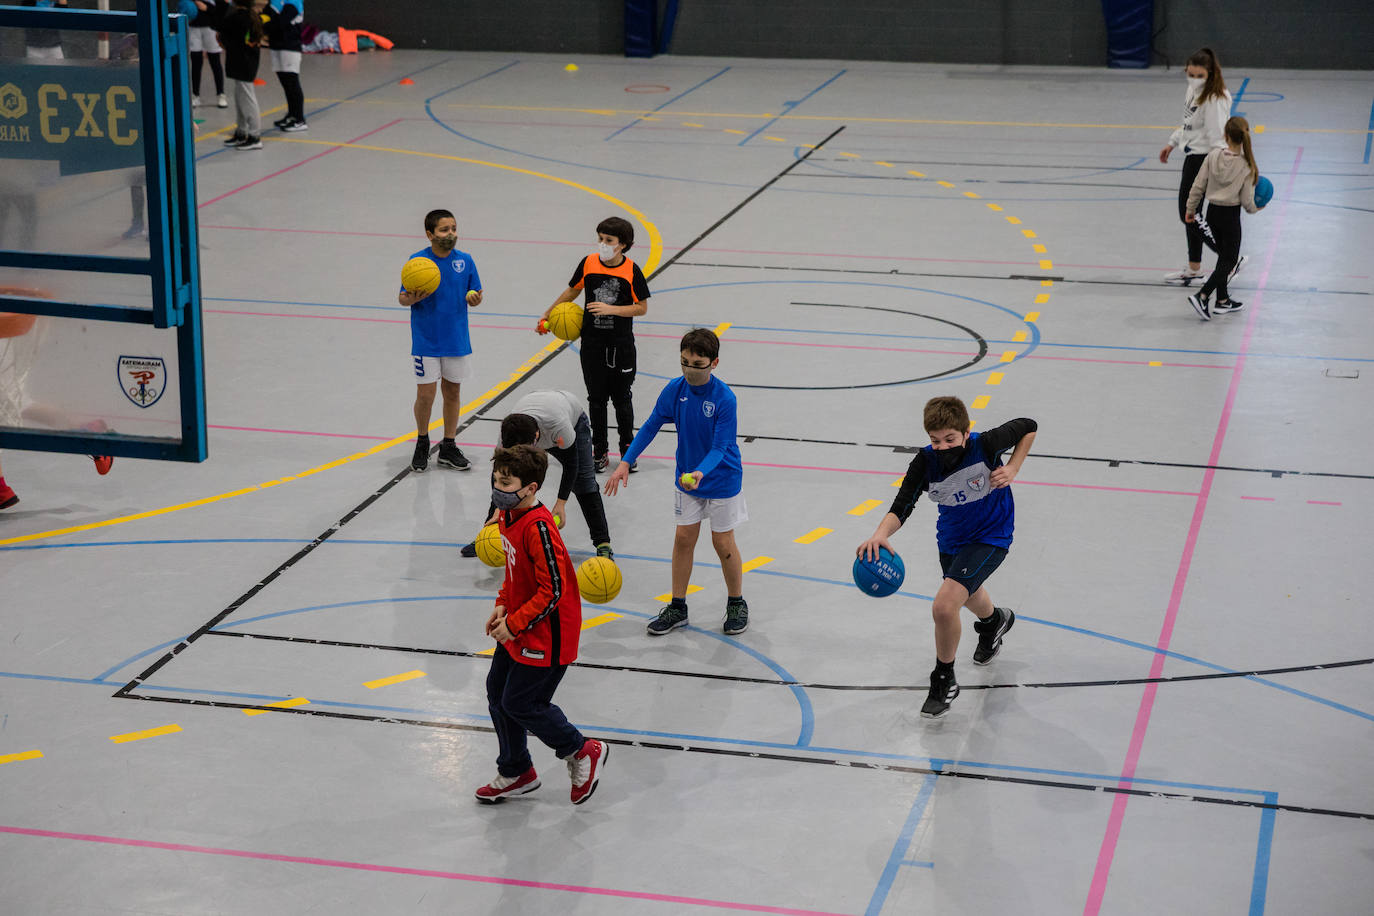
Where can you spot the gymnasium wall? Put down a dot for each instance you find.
(1325, 34)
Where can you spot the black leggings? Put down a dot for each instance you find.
(295, 96)
(216, 69)
(609, 371)
(1196, 237)
(1225, 225)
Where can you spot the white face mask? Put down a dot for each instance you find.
(605, 252)
(1195, 84)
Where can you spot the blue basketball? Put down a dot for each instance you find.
(881, 577)
(1264, 191)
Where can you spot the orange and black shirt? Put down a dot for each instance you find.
(623, 284)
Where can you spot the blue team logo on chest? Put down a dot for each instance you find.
(459, 265)
(708, 408)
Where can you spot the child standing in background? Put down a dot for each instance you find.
(284, 18)
(241, 35)
(1227, 178)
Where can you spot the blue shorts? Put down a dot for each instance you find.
(972, 565)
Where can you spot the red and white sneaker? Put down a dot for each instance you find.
(7, 496)
(102, 464)
(584, 768)
(504, 787)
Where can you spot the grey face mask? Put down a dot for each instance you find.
(505, 499)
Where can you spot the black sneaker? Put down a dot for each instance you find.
(248, 143)
(451, 456)
(1227, 306)
(736, 617)
(601, 462)
(604, 550)
(282, 122)
(295, 126)
(668, 620)
(990, 633)
(1240, 262)
(420, 460)
(1199, 304)
(943, 689)
(469, 550)
(235, 138)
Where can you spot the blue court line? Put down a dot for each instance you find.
(1235, 99)
(665, 104)
(467, 83)
(792, 106)
(897, 858)
(1263, 850)
(317, 111)
(1369, 137)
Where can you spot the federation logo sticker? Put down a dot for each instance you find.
(708, 408)
(143, 379)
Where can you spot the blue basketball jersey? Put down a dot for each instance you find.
(972, 511)
(439, 322)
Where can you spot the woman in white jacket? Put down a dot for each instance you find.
(1206, 107)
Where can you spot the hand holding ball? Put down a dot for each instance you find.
(558, 521)
(420, 276)
(688, 481)
(490, 550)
(566, 321)
(879, 577)
(473, 296)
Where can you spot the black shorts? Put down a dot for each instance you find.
(972, 565)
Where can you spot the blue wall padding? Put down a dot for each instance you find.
(1130, 24)
(641, 24)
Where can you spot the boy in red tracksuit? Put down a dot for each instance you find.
(536, 624)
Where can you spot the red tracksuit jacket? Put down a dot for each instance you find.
(543, 606)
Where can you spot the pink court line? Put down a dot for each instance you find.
(1320, 502)
(1098, 888)
(490, 327)
(1267, 499)
(414, 872)
(299, 432)
(296, 166)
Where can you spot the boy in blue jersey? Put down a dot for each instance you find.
(441, 351)
(709, 477)
(964, 474)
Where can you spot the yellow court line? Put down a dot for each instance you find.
(691, 124)
(916, 173)
(945, 184)
(1042, 298)
(280, 704)
(1046, 282)
(1008, 356)
(1028, 233)
(721, 328)
(1038, 249)
(971, 195)
(868, 505)
(1013, 220)
(995, 378)
(898, 481)
(1018, 337)
(1153, 363)
(886, 165)
(1033, 316)
(850, 155)
(756, 563)
(774, 139)
(731, 130)
(995, 208)
(691, 590)
(1047, 265)
(22, 755)
(655, 253)
(149, 733)
(812, 536)
(980, 402)
(394, 679)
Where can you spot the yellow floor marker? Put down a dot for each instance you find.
(1038, 249)
(898, 481)
(1019, 337)
(150, 733)
(692, 124)
(1042, 298)
(916, 173)
(1028, 233)
(731, 130)
(995, 378)
(775, 139)
(868, 505)
(812, 536)
(599, 619)
(1046, 282)
(394, 679)
(721, 328)
(971, 195)
(945, 184)
(1013, 220)
(850, 155)
(691, 590)
(22, 755)
(1032, 317)
(280, 704)
(886, 165)
(980, 402)
(995, 208)
(1047, 265)
(1008, 356)
(756, 563)
(1153, 363)
(808, 146)
(1259, 128)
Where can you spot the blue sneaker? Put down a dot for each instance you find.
(668, 620)
(736, 617)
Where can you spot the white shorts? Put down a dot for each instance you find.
(426, 370)
(202, 38)
(286, 61)
(725, 514)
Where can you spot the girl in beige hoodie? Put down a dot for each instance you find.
(1227, 179)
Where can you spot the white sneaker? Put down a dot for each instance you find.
(221, 101)
(1184, 277)
(1240, 262)
(195, 101)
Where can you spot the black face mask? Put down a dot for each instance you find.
(950, 457)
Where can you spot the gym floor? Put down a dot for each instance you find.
(1179, 723)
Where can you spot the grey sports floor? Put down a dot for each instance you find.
(1180, 721)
